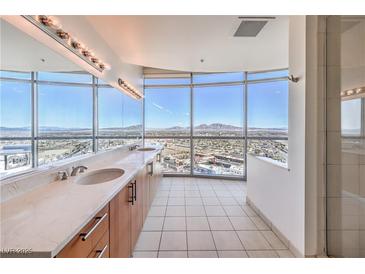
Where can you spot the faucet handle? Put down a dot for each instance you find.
(62, 175)
(82, 169)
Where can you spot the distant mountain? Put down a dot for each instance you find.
(217, 126)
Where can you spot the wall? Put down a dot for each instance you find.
(276, 192)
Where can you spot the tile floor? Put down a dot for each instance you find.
(205, 218)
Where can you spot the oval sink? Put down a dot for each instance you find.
(146, 149)
(99, 176)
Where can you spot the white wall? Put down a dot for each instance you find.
(279, 193)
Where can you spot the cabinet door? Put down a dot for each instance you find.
(146, 191)
(136, 210)
(120, 225)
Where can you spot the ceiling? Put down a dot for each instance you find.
(193, 43)
(21, 52)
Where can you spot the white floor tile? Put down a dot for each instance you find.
(172, 254)
(215, 211)
(211, 201)
(157, 211)
(227, 201)
(153, 224)
(200, 240)
(253, 240)
(145, 254)
(227, 240)
(219, 223)
(195, 211)
(173, 241)
(262, 254)
(176, 201)
(202, 254)
(197, 223)
(232, 254)
(242, 223)
(174, 223)
(193, 201)
(175, 211)
(234, 210)
(148, 241)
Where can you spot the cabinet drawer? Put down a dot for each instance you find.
(85, 241)
(101, 250)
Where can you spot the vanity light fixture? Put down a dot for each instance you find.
(50, 26)
(129, 89)
(353, 93)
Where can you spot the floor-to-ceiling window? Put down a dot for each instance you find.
(201, 120)
(267, 113)
(47, 117)
(167, 120)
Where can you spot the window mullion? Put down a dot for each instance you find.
(34, 119)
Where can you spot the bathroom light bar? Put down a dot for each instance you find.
(129, 89)
(50, 26)
(353, 93)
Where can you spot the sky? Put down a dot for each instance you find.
(66, 106)
(267, 103)
(71, 106)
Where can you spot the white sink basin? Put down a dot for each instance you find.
(146, 149)
(99, 176)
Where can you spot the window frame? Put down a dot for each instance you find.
(193, 137)
(34, 138)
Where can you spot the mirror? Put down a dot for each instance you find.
(49, 106)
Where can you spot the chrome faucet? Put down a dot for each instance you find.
(76, 169)
(133, 147)
(62, 175)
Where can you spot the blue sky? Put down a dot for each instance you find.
(65, 106)
(267, 104)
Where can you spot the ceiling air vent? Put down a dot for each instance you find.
(251, 26)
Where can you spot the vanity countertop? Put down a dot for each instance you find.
(45, 219)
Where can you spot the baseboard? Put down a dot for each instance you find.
(276, 231)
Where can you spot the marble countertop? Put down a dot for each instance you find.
(45, 219)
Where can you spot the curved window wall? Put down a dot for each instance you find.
(208, 122)
(47, 117)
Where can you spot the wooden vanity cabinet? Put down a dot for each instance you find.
(120, 224)
(114, 231)
(85, 243)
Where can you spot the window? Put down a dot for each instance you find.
(268, 120)
(110, 112)
(217, 77)
(120, 119)
(15, 125)
(65, 110)
(218, 111)
(63, 105)
(213, 105)
(15, 111)
(167, 112)
(219, 157)
(176, 155)
(77, 78)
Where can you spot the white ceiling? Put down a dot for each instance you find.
(20, 52)
(180, 42)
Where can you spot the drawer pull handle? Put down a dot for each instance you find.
(131, 199)
(150, 172)
(101, 252)
(100, 220)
